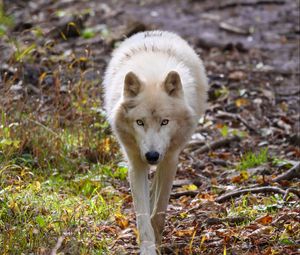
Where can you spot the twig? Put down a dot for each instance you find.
(46, 128)
(232, 220)
(291, 190)
(237, 193)
(193, 144)
(231, 4)
(237, 117)
(182, 182)
(217, 144)
(191, 193)
(234, 29)
(57, 245)
(292, 173)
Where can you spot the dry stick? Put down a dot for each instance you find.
(291, 190)
(237, 193)
(230, 4)
(217, 144)
(238, 118)
(292, 173)
(191, 193)
(192, 145)
(58, 245)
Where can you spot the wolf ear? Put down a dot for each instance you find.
(172, 84)
(132, 85)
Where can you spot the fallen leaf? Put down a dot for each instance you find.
(243, 176)
(267, 219)
(214, 181)
(219, 125)
(37, 186)
(241, 102)
(190, 187)
(206, 196)
(237, 76)
(121, 220)
(184, 232)
(266, 230)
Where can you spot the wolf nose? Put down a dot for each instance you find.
(152, 157)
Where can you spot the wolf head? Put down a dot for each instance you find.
(153, 118)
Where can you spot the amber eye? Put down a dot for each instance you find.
(140, 122)
(164, 122)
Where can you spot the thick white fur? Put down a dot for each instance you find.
(151, 56)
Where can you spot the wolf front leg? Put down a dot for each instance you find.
(160, 193)
(138, 177)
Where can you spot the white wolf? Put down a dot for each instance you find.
(155, 91)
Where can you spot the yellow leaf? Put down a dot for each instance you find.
(183, 215)
(42, 77)
(107, 144)
(190, 187)
(121, 220)
(83, 59)
(241, 102)
(37, 185)
(245, 175)
(72, 24)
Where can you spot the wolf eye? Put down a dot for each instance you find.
(140, 122)
(164, 122)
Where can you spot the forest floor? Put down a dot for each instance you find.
(63, 182)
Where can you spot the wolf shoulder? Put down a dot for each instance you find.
(159, 41)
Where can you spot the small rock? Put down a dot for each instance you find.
(16, 87)
(237, 76)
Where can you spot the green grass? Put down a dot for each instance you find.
(56, 182)
(49, 188)
(251, 207)
(36, 209)
(46, 192)
(5, 21)
(251, 159)
(56, 167)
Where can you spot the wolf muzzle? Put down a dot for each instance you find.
(152, 157)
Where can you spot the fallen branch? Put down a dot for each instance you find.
(191, 193)
(237, 193)
(237, 117)
(217, 144)
(291, 190)
(292, 173)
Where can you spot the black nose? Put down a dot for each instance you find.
(152, 157)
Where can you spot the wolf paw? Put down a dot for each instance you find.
(148, 249)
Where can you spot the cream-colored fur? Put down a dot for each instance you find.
(155, 91)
